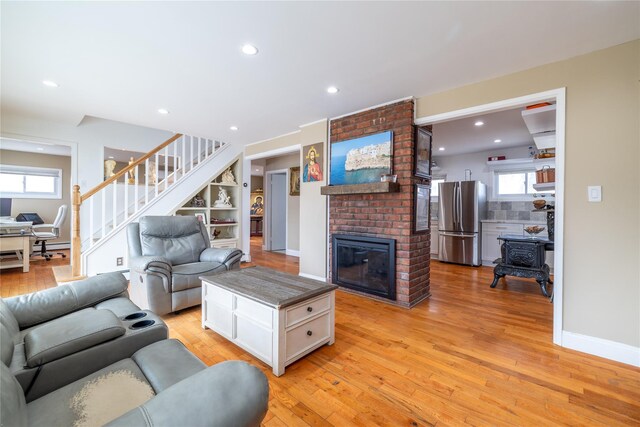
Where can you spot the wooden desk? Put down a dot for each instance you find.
(15, 237)
(22, 247)
(256, 225)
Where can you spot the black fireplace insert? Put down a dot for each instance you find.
(365, 264)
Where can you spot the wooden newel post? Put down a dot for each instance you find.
(75, 232)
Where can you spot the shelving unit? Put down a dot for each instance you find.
(229, 236)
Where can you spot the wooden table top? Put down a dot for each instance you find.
(269, 287)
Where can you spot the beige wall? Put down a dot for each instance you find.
(602, 249)
(293, 202)
(312, 205)
(313, 208)
(46, 208)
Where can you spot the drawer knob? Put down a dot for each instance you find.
(309, 333)
(309, 309)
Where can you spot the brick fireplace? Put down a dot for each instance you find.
(386, 215)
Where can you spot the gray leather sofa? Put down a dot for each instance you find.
(167, 255)
(162, 384)
(56, 336)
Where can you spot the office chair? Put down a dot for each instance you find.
(53, 233)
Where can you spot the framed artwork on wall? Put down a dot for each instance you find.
(294, 181)
(422, 153)
(312, 159)
(422, 205)
(361, 160)
(202, 217)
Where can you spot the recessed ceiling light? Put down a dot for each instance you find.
(40, 149)
(257, 170)
(49, 83)
(163, 111)
(497, 140)
(479, 123)
(441, 149)
(249, 49)
(333, 89)
(234, 128)
(111, 157)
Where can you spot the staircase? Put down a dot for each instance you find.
(154, 184)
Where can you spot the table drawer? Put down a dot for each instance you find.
(503, 227)
(306, 336)
(308, 309)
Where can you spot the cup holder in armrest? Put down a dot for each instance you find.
(134, 316)
(142, 324)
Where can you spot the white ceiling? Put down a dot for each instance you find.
(124, 60)
(34, 147)
(463, 136)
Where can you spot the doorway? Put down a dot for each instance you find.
(276, 239)
(558, 97)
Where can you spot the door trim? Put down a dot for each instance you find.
(267, 212)
(559, 96)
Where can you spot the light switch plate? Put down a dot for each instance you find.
(594, 193)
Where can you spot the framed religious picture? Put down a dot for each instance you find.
(422, 199)
(312, 160)
(202, 217)
(294, 181)
(422, 153)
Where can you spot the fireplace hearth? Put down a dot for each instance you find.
(365, 264)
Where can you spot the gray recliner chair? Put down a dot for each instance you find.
(53, 337)
(167, 255)
(160, 385)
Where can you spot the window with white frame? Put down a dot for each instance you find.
(25, 182)
(435, 188)
(515, 184)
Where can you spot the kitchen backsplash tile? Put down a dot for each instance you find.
(521, 211)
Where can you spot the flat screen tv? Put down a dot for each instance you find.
(361, 160)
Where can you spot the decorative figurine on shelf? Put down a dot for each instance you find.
(214, 233)
(152, 174)
(224, 201)
(132, 173)
(109, 166)
(228, 178)
(197, 202)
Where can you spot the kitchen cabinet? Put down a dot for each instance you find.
(490, 243)
(434, 238)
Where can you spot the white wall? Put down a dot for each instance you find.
(454, 166)
(92, 134)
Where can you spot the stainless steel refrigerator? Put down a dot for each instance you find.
(462, 204)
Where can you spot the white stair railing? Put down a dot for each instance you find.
(120, 197)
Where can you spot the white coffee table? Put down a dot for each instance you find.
(275, 316)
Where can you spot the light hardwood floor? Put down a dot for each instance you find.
(468, 355)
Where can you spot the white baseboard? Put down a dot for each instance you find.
(600, 347)
(292, 252)
(312, 277)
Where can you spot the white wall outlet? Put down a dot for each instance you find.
(594, 193)
(119, 261)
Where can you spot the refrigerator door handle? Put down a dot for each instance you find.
(455, 206)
